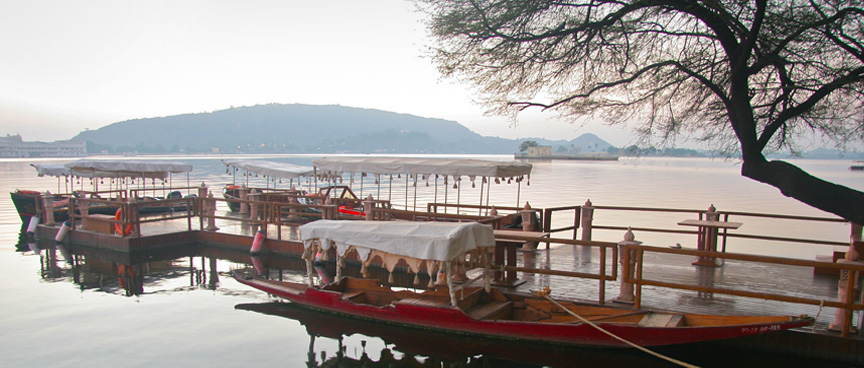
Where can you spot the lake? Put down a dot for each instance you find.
(188, 311)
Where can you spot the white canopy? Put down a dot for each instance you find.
(440, 241)
(57, 170)
(126, 168)
(269, 168)
(408, 165)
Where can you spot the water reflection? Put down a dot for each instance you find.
(374, 344)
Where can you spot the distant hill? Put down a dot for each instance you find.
(298, 128)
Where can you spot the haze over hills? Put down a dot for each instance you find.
(307, 129)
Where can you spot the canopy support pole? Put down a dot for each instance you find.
(435, 200)
(488, 189)
(415, 192)
(446, 189)
(458, 195)
(480, 210)
(518, 192)
(448, 267)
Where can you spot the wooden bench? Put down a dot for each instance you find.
(492, 310)
(426, 302)
(662, 320)
(355, 296)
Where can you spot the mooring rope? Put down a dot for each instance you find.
(661, 356)
(821, 304)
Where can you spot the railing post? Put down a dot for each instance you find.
(200, 205)
(202, 191)
(211, 212)
(84, 206)
(848, 284)
(253, 207)
(48, 205)
(627, 260)
(243, 193)
(712, 214)
(587, 218)
(368, 205)
(528, 225)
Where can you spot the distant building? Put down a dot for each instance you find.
(540, 151)
(14, 146)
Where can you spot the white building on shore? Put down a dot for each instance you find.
(14, 146)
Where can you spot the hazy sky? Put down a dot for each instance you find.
(70, 65)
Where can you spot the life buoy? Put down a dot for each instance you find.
(119, 226)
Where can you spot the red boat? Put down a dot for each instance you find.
(485, 311)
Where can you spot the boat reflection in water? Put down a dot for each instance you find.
(362, 343)
(126, 274)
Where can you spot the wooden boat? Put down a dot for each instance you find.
(268, 169)
(25, 200)
(483, 311)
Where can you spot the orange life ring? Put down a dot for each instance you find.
(232, 187)
(118, 226)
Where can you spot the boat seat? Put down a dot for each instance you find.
(354, 296)
(662, 320)
(492, 310)
(423, 302)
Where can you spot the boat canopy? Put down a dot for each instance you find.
(88, 168)
(57, 170)
(334, 166)
(270, 168)
(439, 241)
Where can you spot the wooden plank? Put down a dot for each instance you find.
(661, 320)
(488, 310)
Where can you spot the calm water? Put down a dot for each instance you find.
(184, 309)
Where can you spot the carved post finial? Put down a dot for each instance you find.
(628, 236)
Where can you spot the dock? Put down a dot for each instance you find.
(662, 278)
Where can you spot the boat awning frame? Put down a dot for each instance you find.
(88, 168)
(270, 168)
(332, 166)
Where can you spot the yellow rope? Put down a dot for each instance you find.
(661, 356)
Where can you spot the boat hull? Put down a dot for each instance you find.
(25, 204)
(453, 320)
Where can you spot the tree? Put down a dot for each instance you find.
(524, 146)
(747, 77)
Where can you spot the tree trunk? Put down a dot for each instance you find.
(796, 183)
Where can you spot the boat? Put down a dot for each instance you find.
(417, 170)
(268, 169)
(481, 311)
(25, 201)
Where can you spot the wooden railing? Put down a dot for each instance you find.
(636, 277)
(546, 214)
(723, 234)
